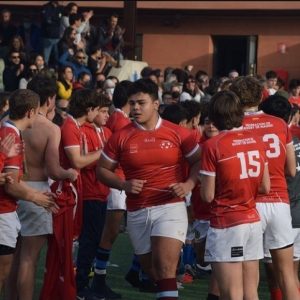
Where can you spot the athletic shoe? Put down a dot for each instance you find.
(187, 278)
(133, 278)
(202, 271)
(190, 270)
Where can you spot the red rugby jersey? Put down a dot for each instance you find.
(276, 136)
(116, 121)
(154, 156)
(71, 137)
(236, 158)
(7, 202)
(96, 138)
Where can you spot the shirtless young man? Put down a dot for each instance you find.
(84, 107)
(24, 105)
(42, 157)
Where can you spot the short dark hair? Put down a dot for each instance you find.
(294, 83)
(45, 86)
(174, 113)
(225, 110)
(180, 74)
(4, 97)
(248, 89)
(82, 74)
(114, 15)
(146, 86)
(103, 100)
(22, 101)
(81, 100)
(192, 107)
(145, 72)
(73, 18)
(120, 96)
(277, 106)
(204, 112)
(271, 74)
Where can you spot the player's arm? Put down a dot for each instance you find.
(55, 171)
(290, 161)
(181, 189)
(265, 185)
(78, 160)
(20, 190)
(207, 190)
(105, 174)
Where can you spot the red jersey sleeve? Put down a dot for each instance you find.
(208, 160)
(70, 137)
(190, 141)
(111, 150)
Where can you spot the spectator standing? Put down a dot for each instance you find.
(67, 42)
(7, 30)
(110, 37)
(51, 16)
(70, 8)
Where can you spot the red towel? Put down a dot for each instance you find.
(59, 279)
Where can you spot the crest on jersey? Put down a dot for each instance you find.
(166, 145)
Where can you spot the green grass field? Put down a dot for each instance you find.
(121, 256)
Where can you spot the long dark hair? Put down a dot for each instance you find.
(62, 79)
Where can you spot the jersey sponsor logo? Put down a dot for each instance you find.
(133, 148)
(237, 251)
(149, 140)
(258, 125)
(246, 141)
(166, 145)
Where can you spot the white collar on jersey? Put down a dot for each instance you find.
(159, 121)
(253, 112)
(10, 125)
(74, 120)
(233, 129)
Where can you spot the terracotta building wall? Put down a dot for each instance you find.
(189, 41)
(270, 57)
(161, 50)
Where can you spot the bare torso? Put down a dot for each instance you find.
(36, 142)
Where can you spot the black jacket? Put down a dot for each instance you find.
(51, 16)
